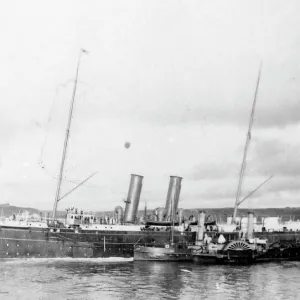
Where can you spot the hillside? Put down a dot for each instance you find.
(219, 214)
(8, 210)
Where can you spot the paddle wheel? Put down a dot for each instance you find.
(238, 251)
(237, 246)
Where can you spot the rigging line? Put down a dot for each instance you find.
(47, 128)
(77, 182)
(77, 186)
(251, 193)
(86, 185)
(57, 90)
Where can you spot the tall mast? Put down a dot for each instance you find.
(57, 195)
(248, 139)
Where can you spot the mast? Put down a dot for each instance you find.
(248, 139)
(57, 195)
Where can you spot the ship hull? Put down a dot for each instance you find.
(242, 259)
(43, 243)
(241, 252)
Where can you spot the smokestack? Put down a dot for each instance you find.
(119, 212)
(200, 230)
(160, 212)
(173, 196)
(145, 212)
(133, 198)
(250, 225)
(180, 216)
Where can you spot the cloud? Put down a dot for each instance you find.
(217, 179)
(217, 111)
(278, 158)
(181, 106)
(175, 79)
(278, 114)
(284, 184)
(214, 170)
(278, 192)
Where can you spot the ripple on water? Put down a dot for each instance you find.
(123, 279)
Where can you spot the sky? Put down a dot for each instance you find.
(175, 78)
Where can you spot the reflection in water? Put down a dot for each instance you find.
(161, 277)
(105, 279)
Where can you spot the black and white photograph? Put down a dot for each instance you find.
(149, 149)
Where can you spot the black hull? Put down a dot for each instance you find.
(38, 242)
(242, 261)
(250, 257)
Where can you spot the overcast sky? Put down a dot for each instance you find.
(174, 78)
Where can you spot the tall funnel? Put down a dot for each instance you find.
(250, 226)
(173, 196)
(133, 198)
(119, 212)
(160, 212)
(180, 216)
(201, 227)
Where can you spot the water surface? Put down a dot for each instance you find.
(125, 279)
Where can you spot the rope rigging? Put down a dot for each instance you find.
(41, 162)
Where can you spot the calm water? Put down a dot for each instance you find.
(113, 279)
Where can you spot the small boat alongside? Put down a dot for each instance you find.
(172, 251)
(175, 252)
